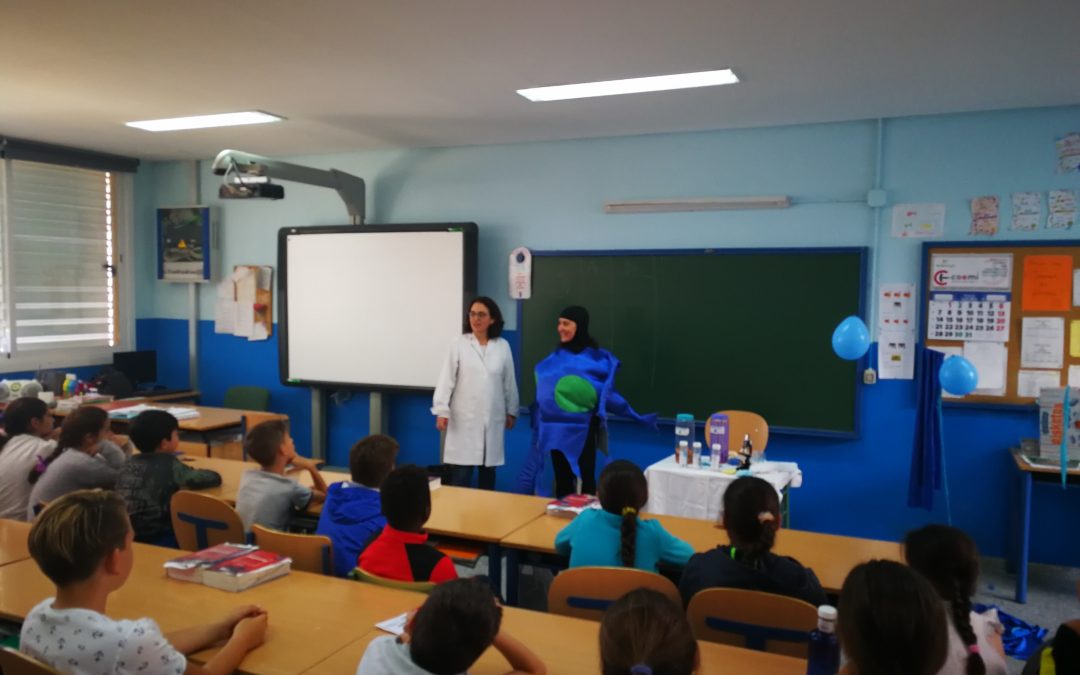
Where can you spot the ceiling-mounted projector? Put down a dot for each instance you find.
(251, 191)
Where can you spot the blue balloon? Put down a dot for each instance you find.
(851, 339)
(958, 376)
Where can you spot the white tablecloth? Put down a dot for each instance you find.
(699, 493)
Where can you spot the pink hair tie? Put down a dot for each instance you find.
(973, 649)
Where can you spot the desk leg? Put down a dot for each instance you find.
(513, 576)
(495, 568)
(1025, 537)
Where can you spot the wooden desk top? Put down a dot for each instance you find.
(481, 515)
(569, 646)
(1024, 466)
(311, 616)
(13, 534)
(209, 419)
(830, 556)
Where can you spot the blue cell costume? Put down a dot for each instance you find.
(573, 386)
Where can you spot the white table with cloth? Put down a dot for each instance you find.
(699, 493)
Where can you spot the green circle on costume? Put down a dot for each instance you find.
(575, 394)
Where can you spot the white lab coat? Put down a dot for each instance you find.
(476, 391)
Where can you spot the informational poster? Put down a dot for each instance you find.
(1046, 285)
(1030, 382)
(897, 306)
(1042, 342)
(971, 271)
(1068, 153)
(1063, 209)
(896, 354)
(991, 362)
(973, 317)
(919, 221)
(183, 238)
(244, 303)
(1026, 210)
(1074, 376)
(984, 216)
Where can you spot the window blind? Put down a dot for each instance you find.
(62, 289)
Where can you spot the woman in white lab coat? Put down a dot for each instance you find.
(476, 399)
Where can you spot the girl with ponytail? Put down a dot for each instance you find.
(614, 535)
(949, 559)
(751, 518)
(28, 429)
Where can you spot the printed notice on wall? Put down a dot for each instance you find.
(1026, 210)
(1062, 215)
(1042, 342)
(1074, 376)
(1030, 382)
(897, 305)
(984, 216)
(970, 271)
(990, 360)
(920, 221)
(1046, 284)
(1068, 152)
(896, 360)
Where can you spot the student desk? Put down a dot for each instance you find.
(830, 556)
(570, 646)
(312, 616)
(231, 470)
(13, 534)
(1029, 474)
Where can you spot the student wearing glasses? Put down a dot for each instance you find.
(476, 399)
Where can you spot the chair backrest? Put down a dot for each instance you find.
(357, 574)
(752, 619)
(247, 398)
(309, 552)
(586, 592)
(200, 521)
(13, 662)
(741, 423)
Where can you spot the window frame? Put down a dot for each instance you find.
(123, 248)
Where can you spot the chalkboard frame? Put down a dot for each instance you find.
(862, 251)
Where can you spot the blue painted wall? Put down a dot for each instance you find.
(550, 196)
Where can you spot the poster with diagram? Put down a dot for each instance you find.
(184, 244)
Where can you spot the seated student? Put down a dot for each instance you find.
(614, 535)
(28, 425)
(645, 632)
(891, 622)
(84, 544)
(148, 480)
(751, 518)
(1059, 656)
(266, 496)
(949, 560)
(86, 456)
(458, 621)
(400, 551)
(352, 514)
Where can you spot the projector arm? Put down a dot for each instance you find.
(349, 187)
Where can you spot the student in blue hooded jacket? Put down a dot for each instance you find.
(352, 515)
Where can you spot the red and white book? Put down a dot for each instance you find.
(190, 567)
(245, 571)
(571, 505)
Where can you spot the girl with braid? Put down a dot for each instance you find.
(614, 535)
(751, 518)
(949, 560)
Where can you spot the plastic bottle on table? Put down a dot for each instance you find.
(718, 458)
(823, 657)
(704, 458)
(682, 451)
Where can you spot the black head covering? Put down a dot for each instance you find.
(580, 316)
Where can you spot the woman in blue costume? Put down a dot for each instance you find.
(575, 393)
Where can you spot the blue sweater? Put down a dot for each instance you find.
(351, 517)
(594, 538)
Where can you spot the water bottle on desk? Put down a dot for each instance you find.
(823, 657)
(704, 458)
(682, 451)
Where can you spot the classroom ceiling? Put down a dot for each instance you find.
(364, 74)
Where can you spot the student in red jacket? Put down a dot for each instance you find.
(401, 552)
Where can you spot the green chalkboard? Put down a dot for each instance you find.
(707, 330)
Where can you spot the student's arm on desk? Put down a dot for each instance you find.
(522, 659)
(244, 629)
(562, 539)
(318, 493)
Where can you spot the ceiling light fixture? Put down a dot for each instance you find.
(206, 121)
(709, 204)
(634, 85)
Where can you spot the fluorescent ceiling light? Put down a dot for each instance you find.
(206, 121)
(708, 204)
(635, 85)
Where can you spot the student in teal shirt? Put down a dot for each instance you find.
(614, 536)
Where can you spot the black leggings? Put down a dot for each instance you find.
(461, 476)
(565, 480)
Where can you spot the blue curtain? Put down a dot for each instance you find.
(927, 450)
